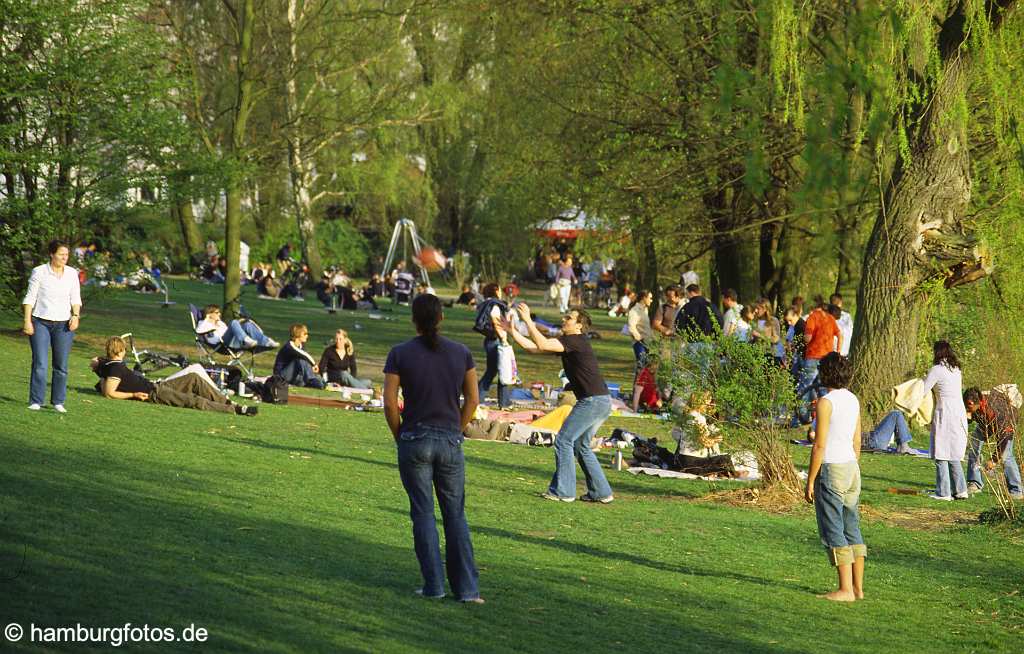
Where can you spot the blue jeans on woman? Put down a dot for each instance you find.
(949, 473)
(893, 424)
(836, 507)
(55, 336)
(430, 458)
(574, 438)
(504, 392)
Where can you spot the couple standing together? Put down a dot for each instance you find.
(433, 372)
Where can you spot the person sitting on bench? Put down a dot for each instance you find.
(190, 391)
(294, 364)
(237, 335)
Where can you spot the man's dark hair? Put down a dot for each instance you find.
(944, 354)
(819, 301)
(426, 315)
(835, 371)
(835, 296)
(693, 288)
(730, 294)
(583, 318)
(972, 394)
(55, 245)
(490, 290)
(834, 311)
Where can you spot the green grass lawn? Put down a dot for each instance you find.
(289, 532)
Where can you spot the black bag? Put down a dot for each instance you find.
(272, 391)
(275, 390)
(483, 324)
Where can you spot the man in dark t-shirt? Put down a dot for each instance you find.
(593, 405)
(118, 382)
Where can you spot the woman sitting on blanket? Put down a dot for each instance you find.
(338, 362)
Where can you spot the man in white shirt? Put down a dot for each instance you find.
(236, 335)
(731, 318)
(845, 322)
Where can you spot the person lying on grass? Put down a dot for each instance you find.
(190, 391)
(833, 480)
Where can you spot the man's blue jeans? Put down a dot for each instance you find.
(949, 478)
(893, 424)
(56, 336)
(430, 458)
(1010, 468)
(504, 392)
(300, 373)
(238, 331)
(579, 428)
(807, 390)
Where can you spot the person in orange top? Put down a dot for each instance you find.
(821, 335)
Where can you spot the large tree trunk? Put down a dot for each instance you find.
(647, 256)
(301, 170)
(917, 235)
(181, 211)
(233, 212)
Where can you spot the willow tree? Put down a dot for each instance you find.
(923, 239)
(900, 90)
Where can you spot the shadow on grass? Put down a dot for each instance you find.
(625, 557)
(86, 540)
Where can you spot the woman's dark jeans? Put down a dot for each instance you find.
(430, 458)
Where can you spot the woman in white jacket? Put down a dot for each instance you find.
(949, 424)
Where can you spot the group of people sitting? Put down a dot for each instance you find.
(294, 364)
(335, 291)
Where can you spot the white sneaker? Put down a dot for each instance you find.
(34, 407)
(249, 343)
(272, 343)
(942, 498)
(59, 408)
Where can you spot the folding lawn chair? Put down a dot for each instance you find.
(207, 350)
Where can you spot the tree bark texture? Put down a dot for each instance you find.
(918, 235)
(240, 117)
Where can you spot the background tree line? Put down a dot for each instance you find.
(871, 148)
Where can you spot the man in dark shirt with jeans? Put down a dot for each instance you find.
(996, 420)
(593, 405)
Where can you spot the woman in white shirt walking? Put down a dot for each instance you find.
(949, 424)
(833, 480)
(52, 308)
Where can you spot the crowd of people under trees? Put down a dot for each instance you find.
(440, 389)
